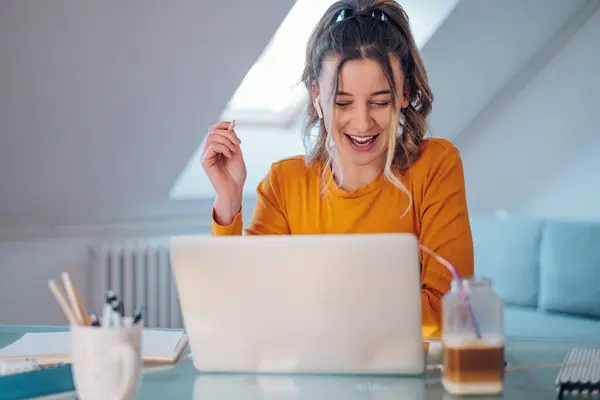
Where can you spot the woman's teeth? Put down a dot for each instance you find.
(362, 140)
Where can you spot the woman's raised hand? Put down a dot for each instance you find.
(224, 164)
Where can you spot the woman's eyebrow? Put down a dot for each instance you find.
(377, 93)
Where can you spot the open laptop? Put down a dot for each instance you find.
(341, 304)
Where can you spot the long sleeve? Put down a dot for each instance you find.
(445, 230)
(268, 217)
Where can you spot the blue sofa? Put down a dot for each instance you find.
(547, 272)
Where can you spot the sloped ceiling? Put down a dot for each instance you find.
(102, 104)
(537, 156)
(481, 49)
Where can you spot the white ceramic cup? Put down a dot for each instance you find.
(106, 362)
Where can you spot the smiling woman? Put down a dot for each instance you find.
(370, 169)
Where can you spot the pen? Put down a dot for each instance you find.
(116, 313)
(111, 297)
(116, 309)
(106, 316)
(107, 312)
(138, 315)
(94, 320)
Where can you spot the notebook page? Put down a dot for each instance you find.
(34, 344)
(154, 342)
(160, 343)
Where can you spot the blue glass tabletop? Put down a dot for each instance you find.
(532, 371)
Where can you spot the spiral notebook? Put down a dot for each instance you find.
(53, 347)
(580, 375)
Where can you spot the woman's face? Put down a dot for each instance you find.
(361, 114)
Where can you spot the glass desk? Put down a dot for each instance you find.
(182, 381)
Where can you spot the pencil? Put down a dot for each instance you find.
(76, 302)
(62, 302)
(231, 125)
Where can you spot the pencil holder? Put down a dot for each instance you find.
(106, 361)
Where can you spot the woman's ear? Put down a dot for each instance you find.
(405, 98)
(405, 95)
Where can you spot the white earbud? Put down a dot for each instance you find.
(318, 108)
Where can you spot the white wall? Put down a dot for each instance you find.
(540, 156)
(25, 268)
(33, 257)
(575, 190)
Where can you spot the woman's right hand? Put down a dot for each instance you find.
(224, 164)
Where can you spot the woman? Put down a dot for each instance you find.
(370, 169)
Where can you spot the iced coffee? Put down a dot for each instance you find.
(473, 366)
(473, 339)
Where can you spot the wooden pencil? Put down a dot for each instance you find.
(62, 302)
(76, 303)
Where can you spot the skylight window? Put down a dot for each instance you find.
(270, 92)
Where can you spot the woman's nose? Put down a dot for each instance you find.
(362, 119)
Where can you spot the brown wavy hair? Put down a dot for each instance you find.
(371, 29)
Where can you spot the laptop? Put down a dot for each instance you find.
(316, 304)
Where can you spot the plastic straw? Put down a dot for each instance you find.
(461, 292)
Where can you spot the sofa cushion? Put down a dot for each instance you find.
(507, 251)
(531, 322)
(570, 268)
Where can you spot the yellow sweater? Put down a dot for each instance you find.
(290, 201)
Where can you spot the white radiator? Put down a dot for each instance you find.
(139, 271)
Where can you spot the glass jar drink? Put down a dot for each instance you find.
(473, 339)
